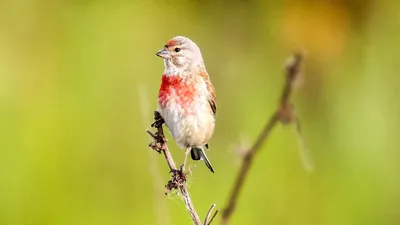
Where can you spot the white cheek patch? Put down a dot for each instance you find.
(181, 61)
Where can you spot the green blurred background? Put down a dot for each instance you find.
(79, 83)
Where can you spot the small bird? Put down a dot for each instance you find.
(187, 99)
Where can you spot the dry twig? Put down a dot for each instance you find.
(283, 114)
(160, 207)
(178, 180)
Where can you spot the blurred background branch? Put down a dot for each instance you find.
(283, 114)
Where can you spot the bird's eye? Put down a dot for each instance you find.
(177, 49)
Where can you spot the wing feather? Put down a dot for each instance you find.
(212, 98)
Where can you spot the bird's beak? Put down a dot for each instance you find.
(163, 54)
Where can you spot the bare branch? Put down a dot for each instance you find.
(247, 162)
(283, 114)
(159, 205)
(178, 180)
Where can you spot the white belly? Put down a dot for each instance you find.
(191, 127)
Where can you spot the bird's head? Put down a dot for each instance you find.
(180, 54)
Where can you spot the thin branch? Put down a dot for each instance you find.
(178, 180)
(283, 114)
(208, 220)
(209, 213)
(159, 205)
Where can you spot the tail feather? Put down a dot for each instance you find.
(194, 153)
(198, 153)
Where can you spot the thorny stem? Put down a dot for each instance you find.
(283, 114)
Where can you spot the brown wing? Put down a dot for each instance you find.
(212, 97)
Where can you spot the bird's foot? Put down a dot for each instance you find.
(158, 120)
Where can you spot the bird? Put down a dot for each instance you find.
(187, 98)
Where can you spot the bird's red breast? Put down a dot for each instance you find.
(176, 89)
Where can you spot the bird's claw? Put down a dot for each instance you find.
(158, 120)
